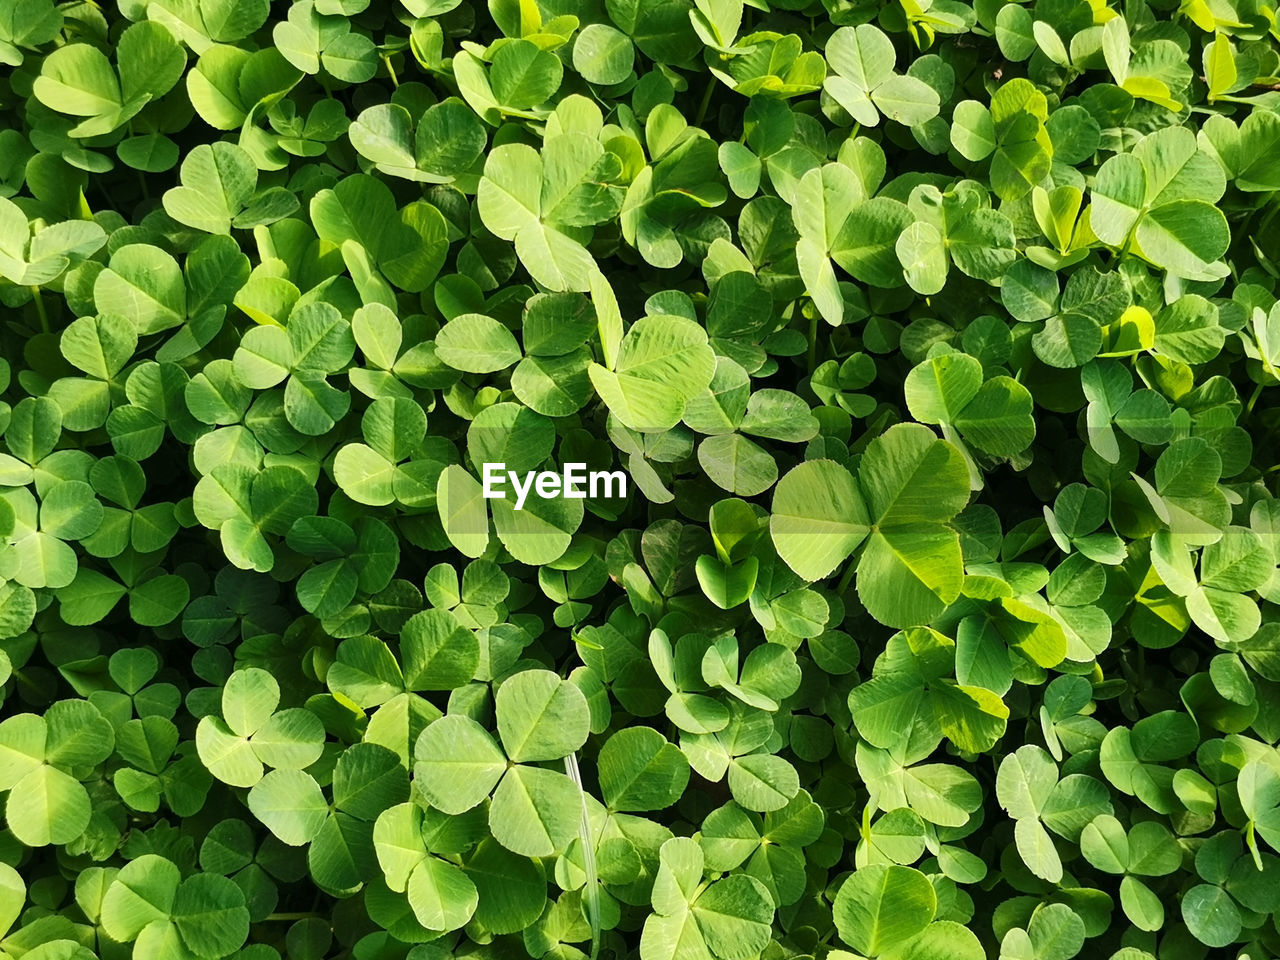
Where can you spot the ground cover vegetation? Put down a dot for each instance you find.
(939, 342)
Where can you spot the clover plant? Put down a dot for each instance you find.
(929, 351)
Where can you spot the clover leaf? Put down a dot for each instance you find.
(79, 79)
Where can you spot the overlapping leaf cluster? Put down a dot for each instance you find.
(940, 343)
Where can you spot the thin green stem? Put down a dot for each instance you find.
(846, 578)
(41, 312)
(1274, 208)
(1253, 398)
(391, 71)
(591, 886)
(706, 102)
(142, 180)
(813, 342)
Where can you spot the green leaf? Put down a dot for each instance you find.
(1024, 152)
(540, 716)
(457, 763)
(290, 804)
(762, 782)
(441, 895)
(938, 390)
(881, 907)
(602, 54)
(663, 362)
(523, 75)
(143, 892)
(218, 181)
(541, 532)
(438, 653)
(910, 476)
(818, 518)
(1210, 915)
(733, 917)
(1036, 849)
(1185, 237)
(50, 807)
(475, 343)
(998, 420)
(100, 346)
(80, 81)
(923, 256)
(909, 572)
(512, 889)
(143, 283)
(640, 770)
(535, 812)
(210, 914)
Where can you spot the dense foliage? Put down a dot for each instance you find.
(940, 343)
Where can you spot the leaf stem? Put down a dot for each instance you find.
(813, 342)
(846, 578)
(391, 71)
(41, 312)
(1248, 407)
(706, 102)
(590, 887)
(1274, 205)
